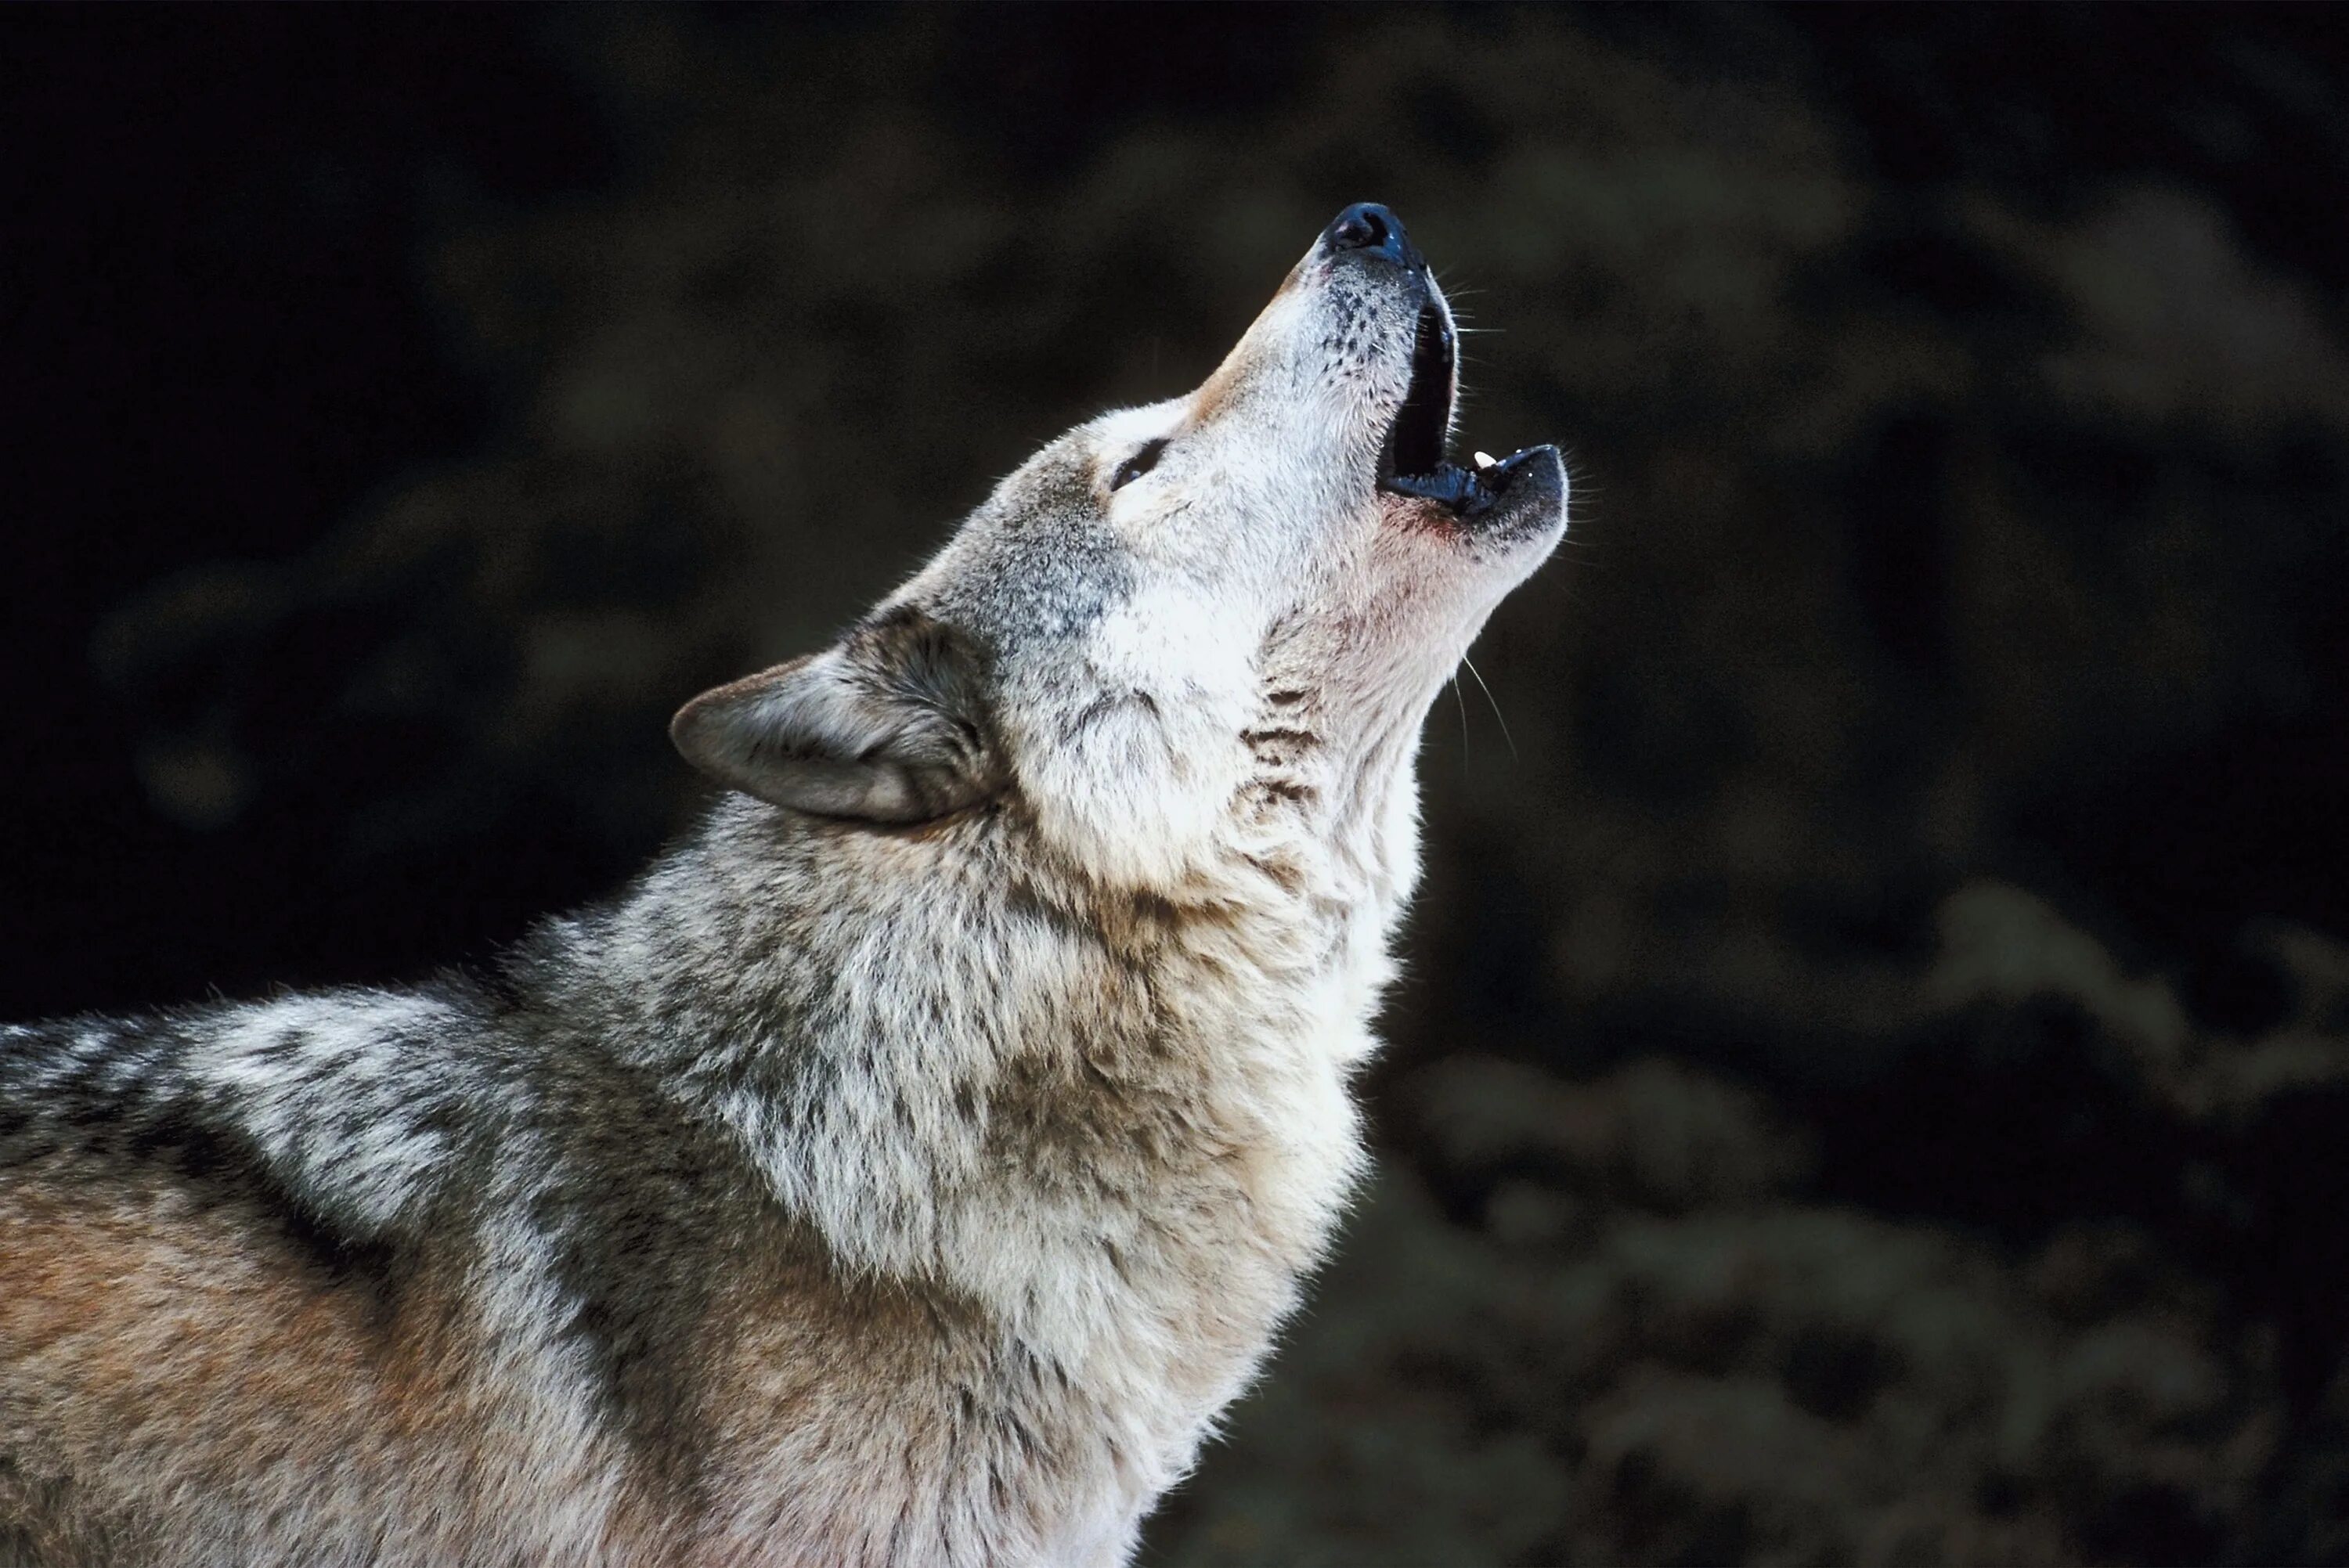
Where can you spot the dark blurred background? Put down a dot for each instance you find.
(1873, 1085)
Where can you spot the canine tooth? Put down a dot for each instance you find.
(1483, 460)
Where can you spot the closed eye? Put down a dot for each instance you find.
(1143, 459)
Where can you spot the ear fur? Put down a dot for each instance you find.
(887, 726)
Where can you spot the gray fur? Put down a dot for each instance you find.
(908, 1168)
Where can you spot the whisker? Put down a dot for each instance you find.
(1489, 697)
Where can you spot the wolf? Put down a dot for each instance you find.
(913, 1162)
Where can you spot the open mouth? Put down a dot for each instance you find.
(1413, 462)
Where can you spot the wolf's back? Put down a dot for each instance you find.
(225, 1238)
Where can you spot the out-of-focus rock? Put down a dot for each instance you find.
(1655, 1134)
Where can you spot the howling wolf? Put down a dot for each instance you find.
(910, 1165)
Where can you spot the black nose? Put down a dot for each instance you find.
(1367, 226)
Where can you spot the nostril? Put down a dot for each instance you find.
(1362, 227)
(1369, 227)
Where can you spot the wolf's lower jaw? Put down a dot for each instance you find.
(1469, 493)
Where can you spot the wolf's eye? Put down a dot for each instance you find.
(1141, 463)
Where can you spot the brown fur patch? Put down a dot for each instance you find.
(151, 1344)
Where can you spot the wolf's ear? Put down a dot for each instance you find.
(889, 726)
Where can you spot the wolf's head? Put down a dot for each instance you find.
(1186, 631)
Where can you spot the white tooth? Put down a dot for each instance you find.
(1483, 460)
